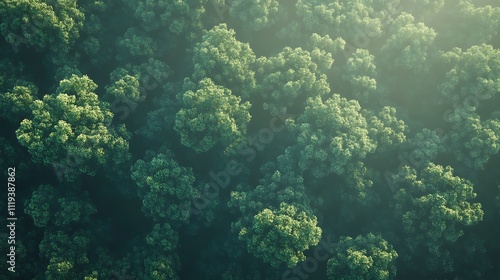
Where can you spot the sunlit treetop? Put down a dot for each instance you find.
(211, 115)
(73, 123)
(346, 19)
(433, 206)
(409, 44)
(227, 61)
(289, 78)
(363, 257)
(474, 73)
(279, 237)
(473, 140)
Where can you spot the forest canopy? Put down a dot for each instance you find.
(250, 140)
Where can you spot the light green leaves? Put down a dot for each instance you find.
(365, 257)
(433, 206)
(280, 237)
(72, 123)
(474, 74)
(165, 187)
(409, 44)
(225, 60)
(211, 115)
(257, 14)
(289, 78)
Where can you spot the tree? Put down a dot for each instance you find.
(365, 257)
(165, 187)
(423, 9)
(15, 105)
(66, 254)
(360, 74)
(178, 17)
(225, 60)
(386, 128)
(42, 25)
(472, 23)
(135, 43)
(71, 125)
(408, 45)
(346, 19)
(275, 188)
(473, 141)
(256, 14)
(211, 115)
(163, 237)
(474, 74)
(289, 78)
(280, 236)
(433, 206)
(49, 206)
(124, 87)
(322, 49)
(330, 135)
(424, 147)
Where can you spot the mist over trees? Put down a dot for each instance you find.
(247, 140)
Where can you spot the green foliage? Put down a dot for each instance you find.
(255, 13)
(72, 124)
(15, 105)
(123, 87)
(474, 74)
(323, 48)
(178, 17)
(160, 267)
(433, 207)
(280, 236)
(346, 19)
(423, 9)
(425, 146)
(409, 44)
(50, 206)
(365, 257)
(136, 43)
(477, 23)
(211, 115)
(165, 188)
(7, 154)
(225, 60)
(275, 188)
(474, 141)
(66, 254)
(342, 92)
(360, 73)
(289, 78)
(53, 25)
(386, 128)
(331, 134)
(163, 237)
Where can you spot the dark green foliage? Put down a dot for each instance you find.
(250, 140)
(49, 206)
(165, 187)
(42, 25)
(369, 257)
(433, 207)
